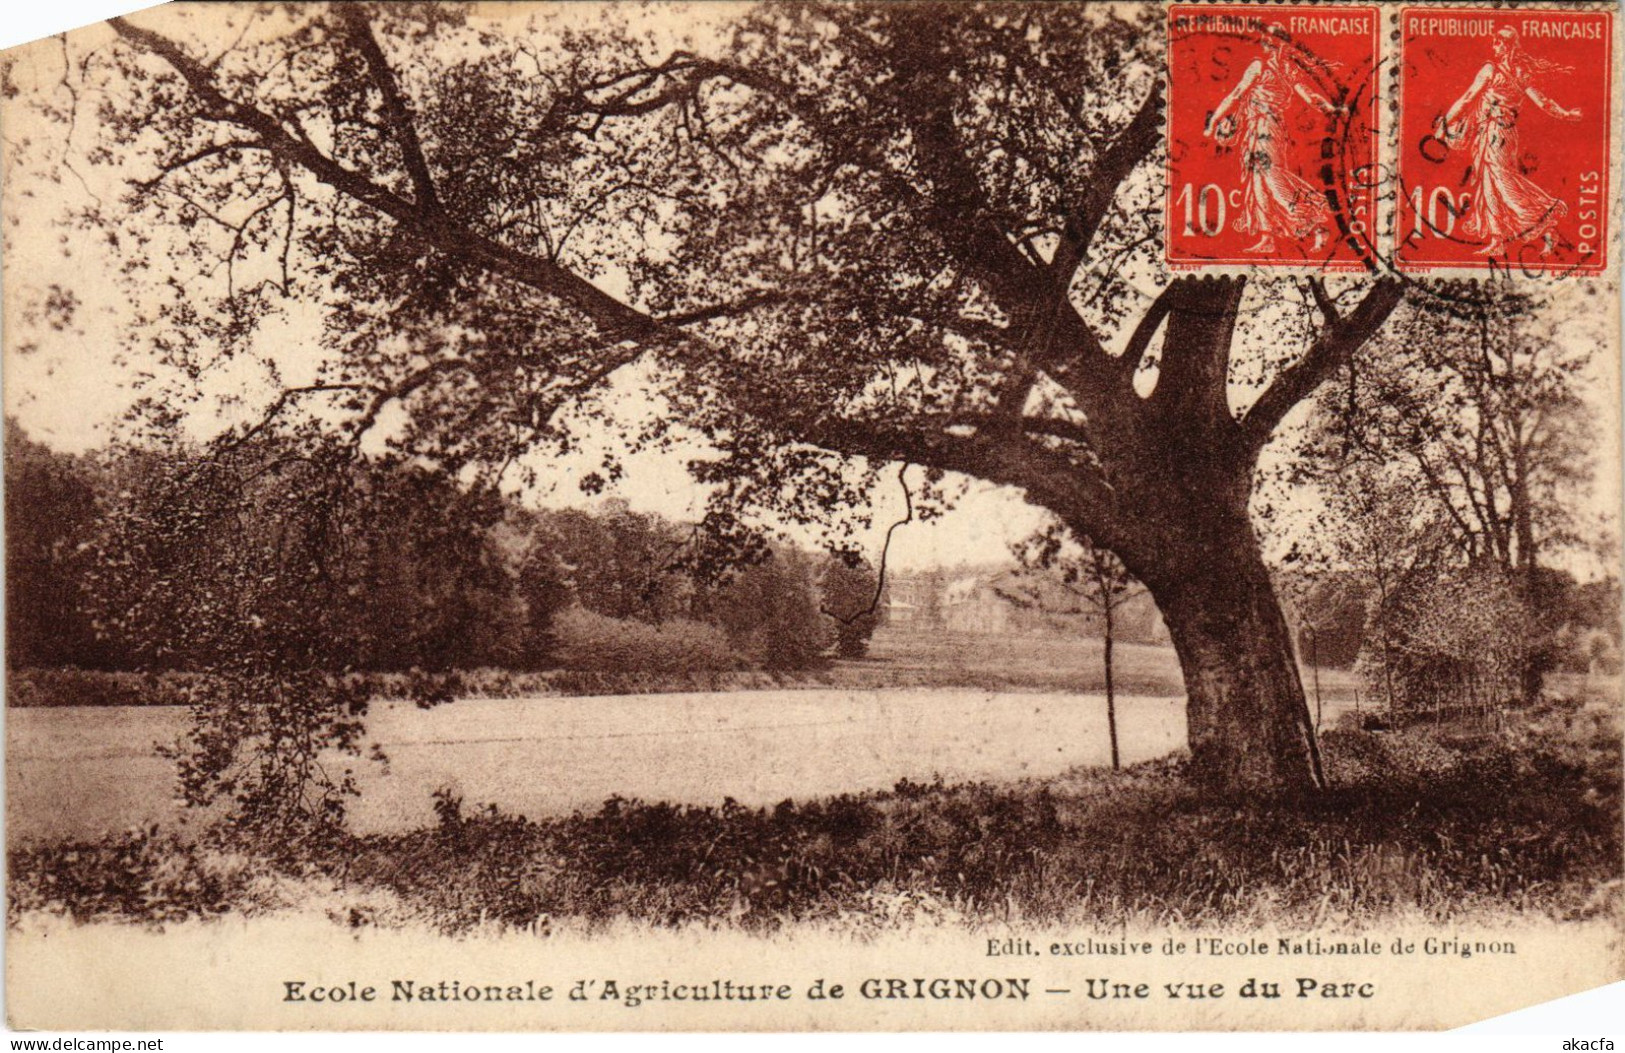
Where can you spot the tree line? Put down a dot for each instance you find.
(181, 561)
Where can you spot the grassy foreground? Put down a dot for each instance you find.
(1444, 823)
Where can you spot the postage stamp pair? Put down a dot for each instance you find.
(1382, 137)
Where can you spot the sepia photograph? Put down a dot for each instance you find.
(812, 516)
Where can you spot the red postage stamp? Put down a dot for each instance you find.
(1271, 136)
(1504, 139)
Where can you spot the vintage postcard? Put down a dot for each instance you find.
(812, 517)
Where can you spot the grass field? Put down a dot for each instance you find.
(958, 705)
(1019, 661)
(1052, 663)
(869, 795)
(81, 772)
(1427, 824)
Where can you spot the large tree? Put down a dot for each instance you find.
(838, 236)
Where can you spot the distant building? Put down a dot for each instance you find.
(899, 612)
(982, 601)
(972, 605)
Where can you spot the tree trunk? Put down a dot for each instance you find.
(1531, 676)
(1249, 725)
(1111, 696)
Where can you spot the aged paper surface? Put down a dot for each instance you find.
(330, 277)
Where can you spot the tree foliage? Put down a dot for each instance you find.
(771, 611)
(237, 563)
(833, 236)
(50, 512)
(1454, 459)
(1473, 398)
(618, 562)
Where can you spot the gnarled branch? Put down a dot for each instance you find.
(1334, 347)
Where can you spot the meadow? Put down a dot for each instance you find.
(78, 772)
(921, 706)
(878, 800)
(1433, 823)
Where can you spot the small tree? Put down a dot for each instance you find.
(1461, 644)
(1328, 611)
(543, 593)
(1091, 581)
(437, 591)
(853, 598)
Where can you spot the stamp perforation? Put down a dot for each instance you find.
(1501, 198)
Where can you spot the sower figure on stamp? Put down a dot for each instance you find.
(1503, 204)
(1275, 201)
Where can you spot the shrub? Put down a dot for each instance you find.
(141, 874)
(1460, 644)
(596, 643)
(31, 688)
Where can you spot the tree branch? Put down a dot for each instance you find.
(885, 552)
(615, 319)
(1083, 218)
(1334, 347)
(283, 400)
(1058, 342)
(171, 167)
(1328, 309)
(396, 110)
(1076, 491)
(955, 215)
(1147, 327)
(1048, 427)
(743, 305)
(1193, 379)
